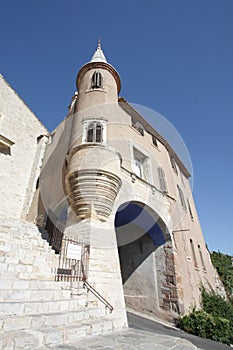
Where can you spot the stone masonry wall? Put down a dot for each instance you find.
(19, 125)
(166, 277)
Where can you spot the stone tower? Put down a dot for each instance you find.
(126, 192)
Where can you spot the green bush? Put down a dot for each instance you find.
(214, 321)
(223, 265)
(205, 325)
(217, 306)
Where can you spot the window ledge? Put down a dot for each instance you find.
(5, 145)
(5, 142)
(96, 89)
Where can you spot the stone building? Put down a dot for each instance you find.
(103, 200)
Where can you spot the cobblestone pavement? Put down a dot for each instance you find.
(128, 340)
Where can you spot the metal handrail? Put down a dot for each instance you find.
(98, 295)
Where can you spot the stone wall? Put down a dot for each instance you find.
(25, 150)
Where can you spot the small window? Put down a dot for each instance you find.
(5, 145)
(182, 200)
(193, 253)
(95, 132)
(141, 165)
(190, 210)
(137, 125)
(154, 141)
(201, 257)
(173, 164)
(96, 80)
(51, 137)
(162, 180)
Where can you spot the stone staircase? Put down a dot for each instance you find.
(36, 311)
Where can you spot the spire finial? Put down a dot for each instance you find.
(98, 55)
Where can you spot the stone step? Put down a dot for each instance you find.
(25, 271)
(41, 338)
(26, 275)
(57, 319)
(12, 283)
(10, 244)
(8, 295)
(21, 267)
(20, 308)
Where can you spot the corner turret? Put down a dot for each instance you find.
(97, 81)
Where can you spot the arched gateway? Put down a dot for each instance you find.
(146, 261)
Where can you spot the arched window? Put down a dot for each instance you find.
(96, 80)
(95, 132)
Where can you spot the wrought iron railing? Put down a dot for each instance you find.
(73, 266)
(98, 295)
(73, 260)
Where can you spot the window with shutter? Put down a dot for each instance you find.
(162, 180)
(173, 164)
(138, 167)
(193, 253)
(141, 165)
(181, 195)
(190, 210)
(154, 141)
(201, 257)
(137, 125)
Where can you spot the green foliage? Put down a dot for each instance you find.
(214, 321)
(205, 325)
(223, 265)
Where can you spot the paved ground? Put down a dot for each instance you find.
(130, 340)
(143, 334)
(136, 321)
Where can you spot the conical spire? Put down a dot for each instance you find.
(98, 55)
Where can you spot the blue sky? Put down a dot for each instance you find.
(175, 57)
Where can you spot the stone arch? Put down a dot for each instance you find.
(144, 245)
(139, 231)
